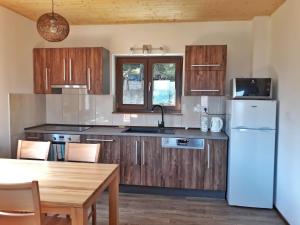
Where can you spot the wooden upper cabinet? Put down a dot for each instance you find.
(98, 71)
(205, 70)
(77, 72)
(59, 62)
(206, 57)
(72, 66)
(41, 70)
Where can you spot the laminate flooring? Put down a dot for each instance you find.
(140, 209)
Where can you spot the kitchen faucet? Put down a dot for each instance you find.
(162, 124)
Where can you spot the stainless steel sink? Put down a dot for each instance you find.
(152, 130)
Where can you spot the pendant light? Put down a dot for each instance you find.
(52, 26)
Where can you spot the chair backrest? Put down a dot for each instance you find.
(20, 204)
(78, 152)
(33, 150)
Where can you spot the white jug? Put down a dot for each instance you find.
(216, 124)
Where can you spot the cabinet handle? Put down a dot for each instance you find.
(70, 69)
(149, 86)
(203, 90)
(100, 140)
(143, 153)
(46, 80)
(32, 138)
(208, 156)
(136, 152)
(89, 78)
(206, 65)
(64, 69)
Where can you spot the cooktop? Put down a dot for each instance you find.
(65, 128)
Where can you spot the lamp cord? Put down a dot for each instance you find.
(53, 8)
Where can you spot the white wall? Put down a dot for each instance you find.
(175, 36)
(285, 62)
(18, 37)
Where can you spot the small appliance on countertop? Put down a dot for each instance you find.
(252, 88)
(216, 124)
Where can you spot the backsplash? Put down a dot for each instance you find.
(76, 107)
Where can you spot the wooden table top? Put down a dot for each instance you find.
(61, 183)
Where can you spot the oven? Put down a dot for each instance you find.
(58, 141)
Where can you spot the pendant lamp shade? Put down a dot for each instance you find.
(53, 27)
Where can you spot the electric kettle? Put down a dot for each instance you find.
(216, 124)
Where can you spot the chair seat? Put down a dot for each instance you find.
(55, 220)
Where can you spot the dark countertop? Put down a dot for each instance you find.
(118, 131)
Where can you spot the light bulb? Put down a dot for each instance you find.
(53, 26)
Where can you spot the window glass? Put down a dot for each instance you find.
(133, 84)
(164, 91)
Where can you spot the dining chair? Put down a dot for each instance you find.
(33, 150)
(81, 152)
(20, 205)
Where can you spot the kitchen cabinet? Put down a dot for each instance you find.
(68, 66)
(72, 66)
(41, 70)
(151, 161)
(34, 136)
(205, 70)
(196, 169)
(215, 177)
(183, 168)
(130, 167)
(58, 65)
(98, 81)
(109, 147)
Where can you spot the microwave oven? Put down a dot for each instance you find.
(251, 88)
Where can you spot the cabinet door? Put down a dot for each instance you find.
(151, 164)
(130, 160)
(77, 66)
(215, 165)
(58, 66)
(207, 83)
(109, 147)
(94, 71)
(183, 168)
(41, 70)
(206, 57)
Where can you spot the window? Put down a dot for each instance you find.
(142, 82)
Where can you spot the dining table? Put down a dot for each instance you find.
(69, 188)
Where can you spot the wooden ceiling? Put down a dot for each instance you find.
(145, 11)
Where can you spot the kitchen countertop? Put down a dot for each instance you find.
(118, 131)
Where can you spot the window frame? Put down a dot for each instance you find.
(148, 62)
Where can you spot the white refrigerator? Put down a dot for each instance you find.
(251, 127)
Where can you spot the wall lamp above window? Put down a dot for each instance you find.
(146, 49)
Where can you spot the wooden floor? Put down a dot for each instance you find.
(137, 209)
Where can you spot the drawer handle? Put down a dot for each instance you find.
(35, 138)
(100, 140)
(203, 90)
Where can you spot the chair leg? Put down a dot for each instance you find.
(94, 214)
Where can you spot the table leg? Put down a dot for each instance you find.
(114, 201)
(79, 216)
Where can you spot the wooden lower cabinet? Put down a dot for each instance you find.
(34, 136)
(183, 168)
(151, 170)
(215, 165)
(196, 169)
(143, 162)
(130, 167)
